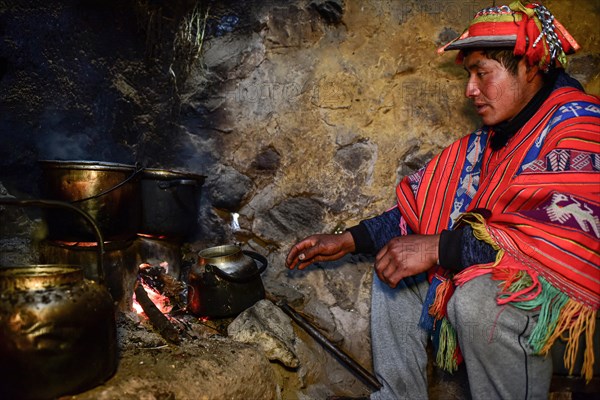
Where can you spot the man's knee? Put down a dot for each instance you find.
(463, 305)
(470, 307)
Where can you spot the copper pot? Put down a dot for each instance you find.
(57, 332)
(57, 329)
(108, 192)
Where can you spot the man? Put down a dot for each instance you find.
(493, 248)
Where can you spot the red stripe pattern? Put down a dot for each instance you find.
(541, 193)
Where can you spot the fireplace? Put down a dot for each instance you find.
(147, 278)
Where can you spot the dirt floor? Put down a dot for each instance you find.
(206, 364)
(203, 365)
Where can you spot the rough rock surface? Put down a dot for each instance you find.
(270, 329)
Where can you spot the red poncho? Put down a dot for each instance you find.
(537, 201)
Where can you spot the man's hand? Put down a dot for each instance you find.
(406, 256)
(319, 248)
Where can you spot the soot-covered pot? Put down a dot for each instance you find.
(170, 203)
(225, 282)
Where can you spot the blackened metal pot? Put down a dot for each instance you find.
(169, 203)
(225, 282)
(120, 264)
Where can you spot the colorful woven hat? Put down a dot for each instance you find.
(530, 29)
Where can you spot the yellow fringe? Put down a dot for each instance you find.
(445, 357)
(588, 355)
(480, 232)
(576, 319)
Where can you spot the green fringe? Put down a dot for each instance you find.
(445, 357)
(550, 301)
(523, 282)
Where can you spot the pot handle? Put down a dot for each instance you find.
(228, 277)
(138, 169)
(258, 257)
(62, 204)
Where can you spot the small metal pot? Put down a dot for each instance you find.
(169, 203)
(225, 282)
(108, 192)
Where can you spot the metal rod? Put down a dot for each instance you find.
(365, 376)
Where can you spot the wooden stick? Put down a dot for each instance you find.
(156, 317)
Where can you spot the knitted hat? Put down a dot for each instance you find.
(530, 29)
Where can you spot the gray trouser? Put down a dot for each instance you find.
(493, 339)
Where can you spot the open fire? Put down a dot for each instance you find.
(162, 302)
(149, 278)
(156, 294)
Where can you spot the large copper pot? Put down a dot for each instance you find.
(108, 192)
(57, 329)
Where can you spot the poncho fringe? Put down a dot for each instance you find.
(560, 316)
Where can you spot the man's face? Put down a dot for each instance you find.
(498, 95)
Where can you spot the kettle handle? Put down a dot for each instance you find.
(258, 257)
(61, 204)
(228, 277)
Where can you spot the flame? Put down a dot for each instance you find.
(161, 302)
(136, 306)
(149, 236)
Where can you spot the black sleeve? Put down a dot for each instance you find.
(362, 240)
(372, 234)
(450, 249)
(460, 249)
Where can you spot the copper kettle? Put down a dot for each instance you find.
(57, 329)
(225, 282)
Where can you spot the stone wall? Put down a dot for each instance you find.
(302, 114)
(325, 118)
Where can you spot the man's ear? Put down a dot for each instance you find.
(531, 72)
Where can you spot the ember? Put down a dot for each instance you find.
(162, 302)
(159, 237)
(165, 291)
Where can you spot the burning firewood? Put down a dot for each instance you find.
(158, 320)
(156, 278)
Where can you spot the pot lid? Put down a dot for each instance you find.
(231, 262)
